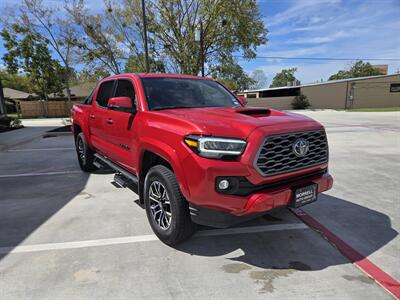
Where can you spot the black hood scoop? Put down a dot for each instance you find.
(254, 112)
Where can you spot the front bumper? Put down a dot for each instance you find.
(257, 203)
(257, 193)
(209, 207)
(281, 196)
(201, 173)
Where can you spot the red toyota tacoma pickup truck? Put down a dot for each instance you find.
(196, 154)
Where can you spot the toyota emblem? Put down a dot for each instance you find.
(301, 147)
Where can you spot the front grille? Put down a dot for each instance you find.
(276, 155)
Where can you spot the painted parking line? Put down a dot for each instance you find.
(40, 174)
(147, 238)
(390, 284)
(41, 149)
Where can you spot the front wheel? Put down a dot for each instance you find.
(166, 209)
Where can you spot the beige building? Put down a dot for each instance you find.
(362, 92)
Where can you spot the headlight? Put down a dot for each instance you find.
(212, 147)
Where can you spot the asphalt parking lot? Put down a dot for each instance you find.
(65, 234)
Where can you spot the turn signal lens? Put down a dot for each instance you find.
(191, 143)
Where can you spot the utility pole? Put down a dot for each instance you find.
(199, 37)
(202, 48)
(146, 50)
(2, 101)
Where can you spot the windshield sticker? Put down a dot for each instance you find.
(235, 101)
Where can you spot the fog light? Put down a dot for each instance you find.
(223, 184)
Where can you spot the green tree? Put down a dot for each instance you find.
(90, 75)
(27, 51)
(228, 27)
(14, 81)
(111, 37)
(135, 64)
(126, 20)
(54, 29)
(358, 69)
(283, 77)
(97, 44)
(231, 74)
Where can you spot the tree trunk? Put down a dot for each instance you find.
(69, 97)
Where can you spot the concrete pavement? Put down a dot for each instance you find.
(33, 128)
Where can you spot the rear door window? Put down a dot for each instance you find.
(105, 93)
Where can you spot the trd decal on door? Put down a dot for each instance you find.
(126, 147)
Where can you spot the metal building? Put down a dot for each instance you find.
(362, 92)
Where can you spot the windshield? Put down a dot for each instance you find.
(164, 93)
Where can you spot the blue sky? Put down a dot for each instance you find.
(320, 28)
(327, 28)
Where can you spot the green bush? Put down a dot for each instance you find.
(7, 123)
(300, 102)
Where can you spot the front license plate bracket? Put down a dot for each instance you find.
(305, 195)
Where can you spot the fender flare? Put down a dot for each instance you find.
(80, 122)
(167, 153)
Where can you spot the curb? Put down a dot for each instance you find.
(387, 282)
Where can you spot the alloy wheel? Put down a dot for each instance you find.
(81, 150)
(160, 205)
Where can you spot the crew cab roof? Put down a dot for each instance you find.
(165, 75)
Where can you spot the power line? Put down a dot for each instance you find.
(320, 58)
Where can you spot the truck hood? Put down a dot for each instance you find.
(238, 122)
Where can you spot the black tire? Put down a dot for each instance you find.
(85, 154)
(180, 226)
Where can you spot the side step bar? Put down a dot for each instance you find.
(117, 168)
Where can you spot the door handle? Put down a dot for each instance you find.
(92, 117)
(110, 121)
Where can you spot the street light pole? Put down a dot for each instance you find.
(145, 37)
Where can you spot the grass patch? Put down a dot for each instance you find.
(382, 109)
(13, 115)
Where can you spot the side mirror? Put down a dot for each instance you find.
(121, 104)
(242, 100)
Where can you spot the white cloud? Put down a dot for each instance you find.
(320, 39)
(298, 52)
(300, 9)
(332, 28)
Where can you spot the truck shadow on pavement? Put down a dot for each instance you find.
(280, 252)
(28, 202)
